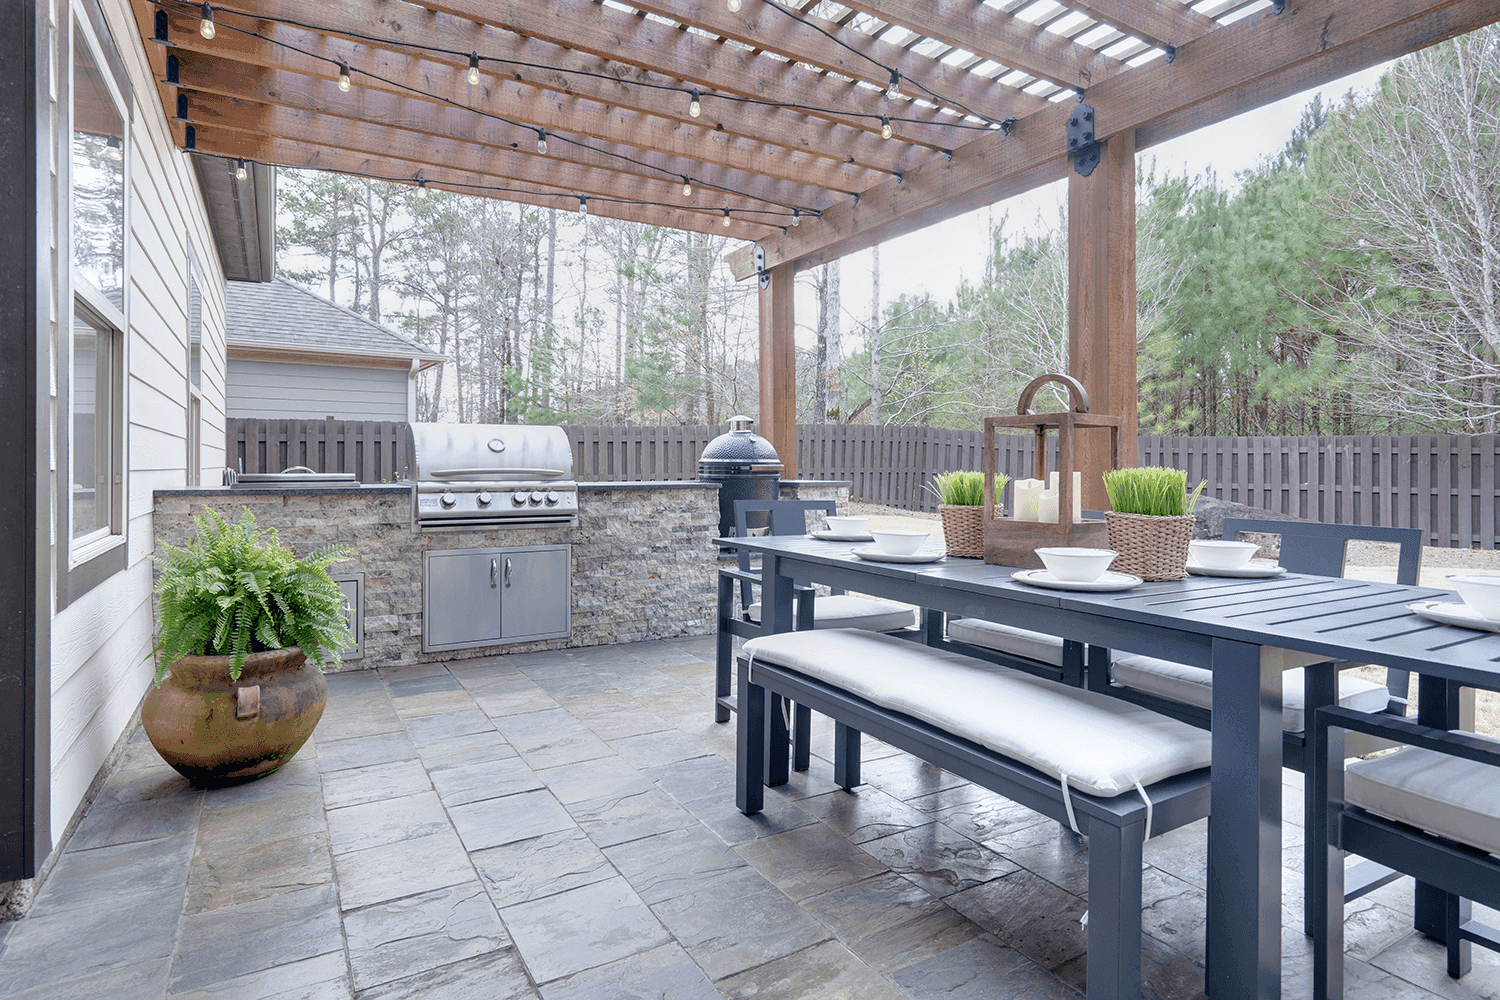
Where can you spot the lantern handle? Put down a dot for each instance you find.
(1078, 396)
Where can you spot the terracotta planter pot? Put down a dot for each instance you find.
(219, 732)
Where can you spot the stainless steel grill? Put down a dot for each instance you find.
(492, 474)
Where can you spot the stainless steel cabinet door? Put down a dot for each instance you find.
(461, 598)
(534, 582)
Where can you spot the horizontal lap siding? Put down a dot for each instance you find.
(273, 390)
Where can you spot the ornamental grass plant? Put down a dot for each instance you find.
(963, 489)
(1152, 491)
(234, 590)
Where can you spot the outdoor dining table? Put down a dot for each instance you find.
(1247, 632)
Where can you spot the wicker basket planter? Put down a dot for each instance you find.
(963, 529)
(1151, 547)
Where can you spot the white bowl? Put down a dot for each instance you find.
(847, 525)
(899, 542)
(1482, 593)
(1078, 565)
(1213, 553)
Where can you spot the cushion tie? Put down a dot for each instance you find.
(1068, 805)
(1146, 799)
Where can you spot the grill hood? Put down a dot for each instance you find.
(458, 453)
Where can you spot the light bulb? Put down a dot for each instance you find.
(474, 69)
(695, 107)
(206, 26)
(687, 188)
(726, 218)
(114, 149)
(796, 217)
(240, 173)
(541, 141)
(421, 189)
(734, 6)
(893, 92)
(583, 205)
(885, 127)
(343, 76)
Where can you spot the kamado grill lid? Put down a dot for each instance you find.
(739, 450)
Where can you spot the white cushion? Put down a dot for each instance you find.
(1104, 745)
(1195, 686)
(847, 611)
(1008, 639)
(1450, 796)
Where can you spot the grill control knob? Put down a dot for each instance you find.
(484, 498)
(448, 499)
(536, 497)
(519, 499)
(552, 497)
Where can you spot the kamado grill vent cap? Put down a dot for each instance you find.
(739, 450)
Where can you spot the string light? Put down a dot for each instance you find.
(206, 25)
(893, 92)
(885, 127)
(695, 108)
(726, 218)
(421, 189)
(734, 6)
(796, 216)
(240, 173)
(473, 69)
(343, 76)
(114, 149)
(541, 141)
(583, 205)
(687, 188)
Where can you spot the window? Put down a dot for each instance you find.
(96, 424)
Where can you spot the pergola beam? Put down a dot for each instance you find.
(1167, 23)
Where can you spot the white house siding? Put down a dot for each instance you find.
(99, 665)
(275, 390)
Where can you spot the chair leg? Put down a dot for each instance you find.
(723, 649)
(1460, 950)
(801, 737)
(1323, 774)
(845, 756)
(777, 740)
(749, 774)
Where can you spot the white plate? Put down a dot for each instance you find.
(1453, 613)
(1109, 581)
(1242, 573)
(875, 555)
(834, 536)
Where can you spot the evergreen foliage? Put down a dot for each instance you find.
(234, 590)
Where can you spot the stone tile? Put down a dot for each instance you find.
(664, 973)
(1050, 850)
(428, 729)
(417, 934)
(358, 720)
(541, 866)
(1167, 974)
(387, 821)
(582, 928)
(491, 822)
(244, 825)
(523, 701)
(407, 685)
(140, 784)
(358, 785)
(434, 703)
(498, 975)
(809, 860)
(889, 922)
(937, 859)
(622, 723)
(131, 822)
(1029, 915)
(615, 819)
(300, 775)
(412, 671)
(474, 748)
(698, 778)
(233, 941)
(864, 813)
(324, 977)
(76, 943)
(336, 755)
(84, 878)
(824, 970)
(401, 869)
(981, 969)
(670, 864)
(594, 779)
(484, 780)
(906, 777)
(977, 813)
(720, 815)
(146, 981)
(225, 878)
(737, 922)
(1174, 912)
(1182, 853)
(658, 748)
(551, 738)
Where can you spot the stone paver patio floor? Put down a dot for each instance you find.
(561, 825)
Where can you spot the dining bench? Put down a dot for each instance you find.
(1114, 772)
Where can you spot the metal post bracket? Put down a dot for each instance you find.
(760, 269)
(1081, 140)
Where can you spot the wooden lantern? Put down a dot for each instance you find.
(1008, 542)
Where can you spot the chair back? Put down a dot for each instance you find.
(1317, 548)
(788, 517)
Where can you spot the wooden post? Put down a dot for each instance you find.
(1102, 304)
(778, 368)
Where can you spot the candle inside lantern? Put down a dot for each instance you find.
(1026, 494)
(1048, 507)
(1077, 494)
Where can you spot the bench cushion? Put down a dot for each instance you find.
(1104, 745)
(1449, 796)
(847, 611)
(1195, 686)
(1008, 639)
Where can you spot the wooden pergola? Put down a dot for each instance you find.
(771, 117)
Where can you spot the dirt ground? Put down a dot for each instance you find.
(1367, 561)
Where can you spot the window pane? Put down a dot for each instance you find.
(92, 434)
(98, 176)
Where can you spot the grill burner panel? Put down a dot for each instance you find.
(492, 474)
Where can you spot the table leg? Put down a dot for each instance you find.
(1244, 825)
(723, 649)
(1320, 688)
(1323, 770)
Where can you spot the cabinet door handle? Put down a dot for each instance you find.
(507, 572)
(494, 568)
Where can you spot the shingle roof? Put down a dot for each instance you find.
(278, 314)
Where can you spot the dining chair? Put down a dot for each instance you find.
(739, 614)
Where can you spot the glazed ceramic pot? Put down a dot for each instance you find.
(217, 731)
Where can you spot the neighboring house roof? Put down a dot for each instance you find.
(278, 317)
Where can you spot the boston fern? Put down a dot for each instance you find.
(234, 590)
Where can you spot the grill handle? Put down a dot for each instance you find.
(512, 471)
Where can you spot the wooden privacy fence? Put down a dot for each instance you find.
(1444, 484)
